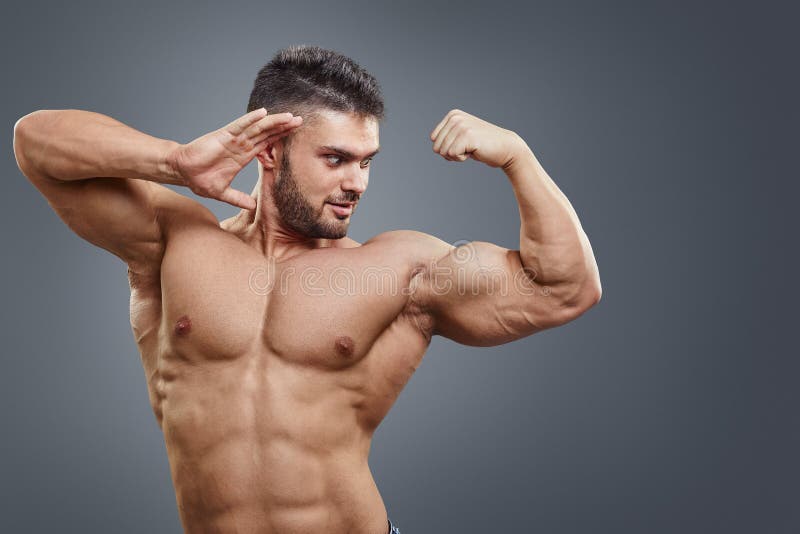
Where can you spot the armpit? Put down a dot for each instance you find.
(415, 310)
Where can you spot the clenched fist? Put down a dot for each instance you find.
(208, 164)
(460, 135)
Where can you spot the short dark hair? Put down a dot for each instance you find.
(303, 78)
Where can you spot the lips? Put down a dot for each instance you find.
(343, 209)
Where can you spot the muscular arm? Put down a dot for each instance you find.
(484, 294)
(99, 176)
(73, 144)
(553, 245)
(104, 179)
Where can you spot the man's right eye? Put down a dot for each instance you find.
(337, 158)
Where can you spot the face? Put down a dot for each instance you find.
(324, 173)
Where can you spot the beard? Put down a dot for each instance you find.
(297, 213)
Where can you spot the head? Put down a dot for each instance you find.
(326, 160)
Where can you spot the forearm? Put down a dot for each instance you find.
(74, 144)
(552, 241)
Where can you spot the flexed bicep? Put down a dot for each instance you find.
(480, 294)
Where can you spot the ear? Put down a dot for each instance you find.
(269, 156)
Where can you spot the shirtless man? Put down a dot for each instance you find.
(273, 345)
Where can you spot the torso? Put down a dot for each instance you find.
(268, 379)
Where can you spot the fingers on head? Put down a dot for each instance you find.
(273, 123)
(265, 138)
(238, 126)
(275, 131)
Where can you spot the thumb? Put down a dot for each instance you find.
(238, 198)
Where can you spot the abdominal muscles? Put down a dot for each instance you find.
(261, 445)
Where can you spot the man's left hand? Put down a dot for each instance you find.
(460, 135)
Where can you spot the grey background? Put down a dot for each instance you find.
(668, 408)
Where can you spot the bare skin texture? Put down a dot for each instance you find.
(273, 345)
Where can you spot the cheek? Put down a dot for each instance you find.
(328, 178)
(322, 186)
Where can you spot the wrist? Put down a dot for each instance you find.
(168, 164)
(520, 155)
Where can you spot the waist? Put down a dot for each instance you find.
(276, 476)
(263, 500)
(363, 519)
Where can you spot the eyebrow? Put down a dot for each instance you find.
(347, 154)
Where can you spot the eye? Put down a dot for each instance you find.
(366, 162)
(335, 157)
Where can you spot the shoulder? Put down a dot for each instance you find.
(419, 250)
(416, 252)
(175, 210)
(412, 245)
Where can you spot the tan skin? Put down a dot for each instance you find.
(268, 379)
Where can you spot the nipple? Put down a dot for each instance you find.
(345, 345)
(183, 325)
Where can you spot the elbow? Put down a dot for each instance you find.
(25, 123)
(593, 296)
(575, 300)
(22, 135)
(593, 291)
(589, 293)
(585, 291)
(24, 132)
(21, 132)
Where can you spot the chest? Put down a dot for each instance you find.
(327, 310)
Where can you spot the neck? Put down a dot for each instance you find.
(263, 230)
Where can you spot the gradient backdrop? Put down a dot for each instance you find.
(671, 407)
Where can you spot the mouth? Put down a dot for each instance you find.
(342, 209)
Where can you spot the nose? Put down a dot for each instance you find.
(356, 181)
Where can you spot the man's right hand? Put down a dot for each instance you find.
(208, 164)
